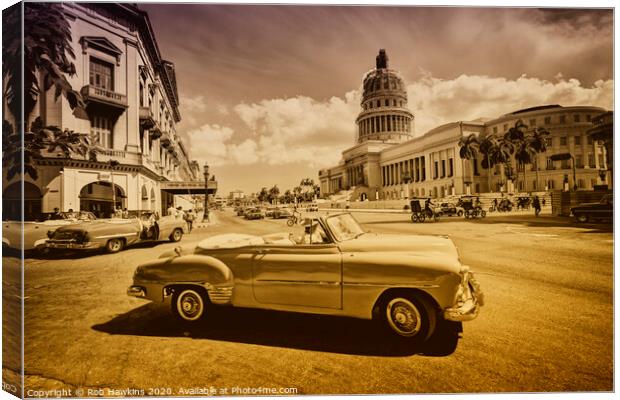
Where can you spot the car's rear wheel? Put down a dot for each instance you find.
(460, 213)
(189, 304)
(176, 235)
(408, 317)
(114, 245)
(581, 218)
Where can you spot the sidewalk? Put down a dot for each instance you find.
(213, 220)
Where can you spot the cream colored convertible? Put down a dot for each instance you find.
(410, 283)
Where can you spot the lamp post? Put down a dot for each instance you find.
(113, 163)
(205, 216)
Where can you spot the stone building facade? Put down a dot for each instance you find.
(388, 162)
(132, 104)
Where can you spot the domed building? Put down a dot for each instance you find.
(388, 163)
(384, 113)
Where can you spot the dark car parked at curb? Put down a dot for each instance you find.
(602, 210)
(255, 213)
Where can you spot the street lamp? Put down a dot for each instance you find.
(567, 156)
(113, 163)
(205, 216)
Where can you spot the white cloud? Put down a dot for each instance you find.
(210, 143)
(436, 101)
(304, 130)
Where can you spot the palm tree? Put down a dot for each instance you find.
(538, 142)
(503, 155)
(487, 146)
(46, 44)
(468, 150)
(521, 150)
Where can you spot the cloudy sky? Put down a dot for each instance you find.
(269, 94)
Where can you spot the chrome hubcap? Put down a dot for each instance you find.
(190, 305)
(404, 317)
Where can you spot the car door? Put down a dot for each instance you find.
(298, 275)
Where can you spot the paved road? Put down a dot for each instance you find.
(547, 325)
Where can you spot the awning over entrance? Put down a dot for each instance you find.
(188, 187)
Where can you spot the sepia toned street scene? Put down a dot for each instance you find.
(239, 200)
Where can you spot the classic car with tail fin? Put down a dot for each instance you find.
(411, 283)
(115, 234)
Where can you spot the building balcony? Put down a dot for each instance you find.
(165, 139)
(93, 94)
(147, 118)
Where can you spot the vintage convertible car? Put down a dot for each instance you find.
(254, 213)
(35, 231)
(411, 283)
(115, 234)
(451, 209)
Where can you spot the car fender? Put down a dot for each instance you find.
(205, 271)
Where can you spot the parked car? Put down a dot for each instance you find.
(270, 211)
(412, 284)
(312, 207)
(601, 210)
(115, 234)
(254, 213)
(37, 230)
(451, 209)
(282, 213)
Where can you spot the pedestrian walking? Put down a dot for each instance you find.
(536, 204)
(189, 218)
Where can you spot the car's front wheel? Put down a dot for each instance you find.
(459, 213)
(582, 218)
(188, 305)
(114, 245)
(408, 318)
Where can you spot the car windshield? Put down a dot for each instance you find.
(344, 227)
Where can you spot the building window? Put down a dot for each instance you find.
(533, 122)
(378, 103)
(549, 141)
(590, 141)
(387, 102)
(562, 119)
(601, 161)
(450, 167)
(443, 168)
(495, 129)
(588, 117)
(581, 183)
(550, 163)
(550, 184)
(565, 164)
(101, 74)
(505, 127)
(101, 131)
(591, 162)
(578, 162)
(563, 141)
(394, 102)
(577, 140)
(436, 170)
(577, 118)
(547, 120)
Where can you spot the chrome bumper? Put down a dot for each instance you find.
(469, 300)
(64, 245)
(136, 291)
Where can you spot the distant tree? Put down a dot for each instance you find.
(274, 192)
(468, 146)
(488, 147)
(263, 195)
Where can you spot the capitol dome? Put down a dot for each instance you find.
(384, 113)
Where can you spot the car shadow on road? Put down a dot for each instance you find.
(77, 254)
(278, 329)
